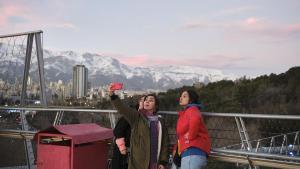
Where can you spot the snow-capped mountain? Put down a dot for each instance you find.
(104, 69)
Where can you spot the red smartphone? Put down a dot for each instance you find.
(117, 86)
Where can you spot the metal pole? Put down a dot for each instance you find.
(39, 52)
(20, 34)
(26, 68)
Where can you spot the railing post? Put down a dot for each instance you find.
(58, 118)
(243, 134)
(257, 146)
(27, 142)
(245, 139)
(283, 141)
(112, 119)
(271, 144)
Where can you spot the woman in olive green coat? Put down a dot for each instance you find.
(149, 137)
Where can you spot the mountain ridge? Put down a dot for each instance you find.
(105, 69)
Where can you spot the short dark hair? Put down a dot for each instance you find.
(193, 97)
(156, 101)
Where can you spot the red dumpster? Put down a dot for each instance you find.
(76, 146)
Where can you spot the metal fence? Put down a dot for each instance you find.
(243, 140)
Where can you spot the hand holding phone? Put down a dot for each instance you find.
(116, 86)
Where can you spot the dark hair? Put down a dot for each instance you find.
(137, 106)
(156, 101)
(193, 97)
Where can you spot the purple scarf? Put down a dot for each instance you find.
(153, 120)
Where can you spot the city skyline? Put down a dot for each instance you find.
(243, 38)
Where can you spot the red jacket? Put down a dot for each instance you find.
(190, 121)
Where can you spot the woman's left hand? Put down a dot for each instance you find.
(161, 167)
(186, 136)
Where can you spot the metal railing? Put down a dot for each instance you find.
(227, 132)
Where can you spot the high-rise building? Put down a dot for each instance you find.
(80, 81)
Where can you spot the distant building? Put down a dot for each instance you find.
(80, 81)
(68, 90)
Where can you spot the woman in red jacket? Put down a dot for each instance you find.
(194, 143)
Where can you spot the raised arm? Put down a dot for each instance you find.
(130, 114)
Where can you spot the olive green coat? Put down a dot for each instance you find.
(140, 137)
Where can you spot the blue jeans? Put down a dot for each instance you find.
(193, 162)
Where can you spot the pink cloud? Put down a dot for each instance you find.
(196, 24)
(211, 61)
(146, 60)
(265, 28)
(139, 60)
(292, 28)
(251, 21)
(11, 9)
(33, 20)
(216, 61)
(252, 27)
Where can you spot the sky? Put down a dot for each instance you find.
(242, 37)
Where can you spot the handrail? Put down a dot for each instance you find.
(215, 114)
(59, 109)
(243, 159)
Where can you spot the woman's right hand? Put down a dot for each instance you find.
(110, 89)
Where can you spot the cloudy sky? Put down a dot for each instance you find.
(241, 37)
